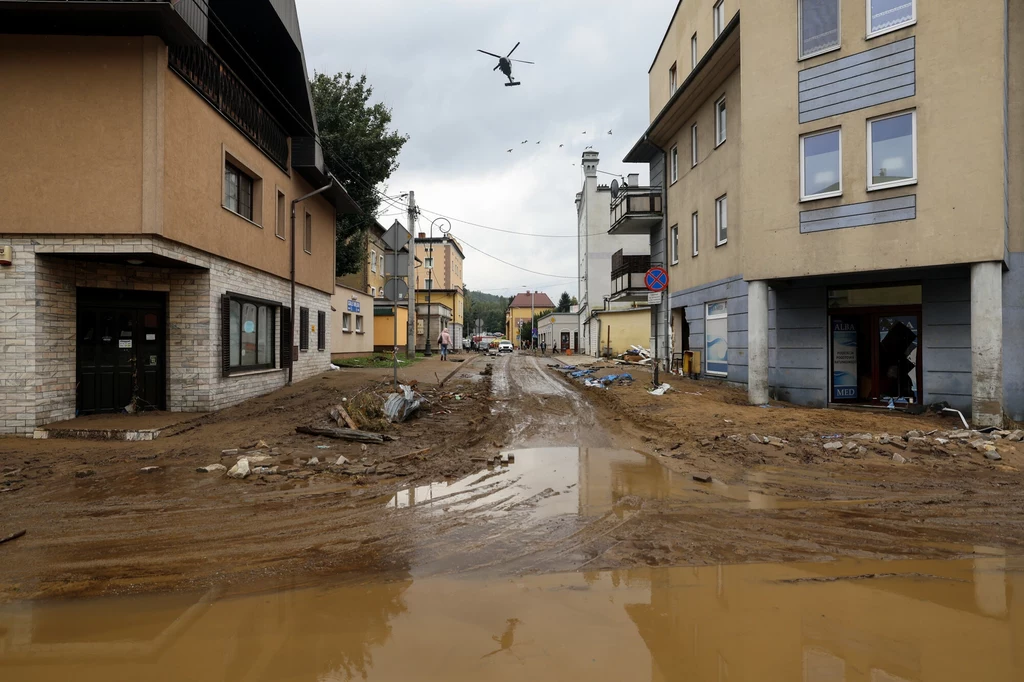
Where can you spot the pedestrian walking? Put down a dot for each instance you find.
(444, 341)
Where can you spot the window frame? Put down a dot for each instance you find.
(803, 177)
(694, 54)
(718, 316)
(721, 131)
(693, 146)
(800, 56)
(718, 18)
(673, 165)
(380, 263)
(307, 233)
(373, 292)
(303, 329)
(871, 187)
(227, 158)
(346, 322)
(673, 79)
(272, 308)
(359, 324)
(281, 214)
(321, 330)
(868, 34)
(674, 243)
(720, 203)
(695, 233)
(233, 169)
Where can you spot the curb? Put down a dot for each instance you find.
(456, 370)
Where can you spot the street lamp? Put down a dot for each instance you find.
(445, 227)
(533, 340)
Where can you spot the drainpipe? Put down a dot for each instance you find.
(291, 360)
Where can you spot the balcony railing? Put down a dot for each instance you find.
(201, 68)
(635, 209)
(628, 275)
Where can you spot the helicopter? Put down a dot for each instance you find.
(505, 64)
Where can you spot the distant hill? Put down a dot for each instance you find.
(487, 307)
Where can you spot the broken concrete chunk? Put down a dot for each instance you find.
(211, 468)
(993, 455)
(833, 445)
(230, 451)
(84, 473)
(754, 438)
(240, 470)
(862, 450)
(899, 459)
(702, 478)
(851, 446)
(898, 443)
(342, 460)
(149, 470)
(265, 470)
(313, 462)
(978, 444)
(259, 460)
(861, 436)
(301, 475)
(942, 441)
(912, 434)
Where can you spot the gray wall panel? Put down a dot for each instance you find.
(806, 358)
(946, 339)
(798, 354)
(875, 76)
(857, 215)
(1013, 334)
(812, 397)
(798, 339)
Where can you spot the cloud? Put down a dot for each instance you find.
(590, 75)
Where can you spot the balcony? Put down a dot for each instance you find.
(628, 277)
(201, 68)
(178, 23)
(635, 210)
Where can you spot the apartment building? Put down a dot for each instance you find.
(371, 275)
(842, 200)
(439, 279)
(521, 310)
(167, 211)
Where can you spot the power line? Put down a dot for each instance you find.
(513, 265)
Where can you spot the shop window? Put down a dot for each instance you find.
(247, 334)
(716, 339)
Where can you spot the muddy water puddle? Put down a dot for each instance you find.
(587, 482)
(906, 621)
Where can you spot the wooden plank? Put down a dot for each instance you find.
(339, 414)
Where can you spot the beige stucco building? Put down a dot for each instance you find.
(352, 322)
(371, 276)
(843, 216)
(148, 191)
(439, 278)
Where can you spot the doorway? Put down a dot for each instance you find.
(563, 343)
(875, 342)
(121, 351)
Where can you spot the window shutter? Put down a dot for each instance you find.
(321, 330)
(303, 328)
(287, 337)
(225, 335)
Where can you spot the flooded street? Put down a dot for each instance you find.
(829, 622)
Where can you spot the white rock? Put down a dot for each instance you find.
(259, 460)
(833, 445)
(211, 468)
(754, 438)
(342, 460)
(861, 436)
(149, 470)
(993, 455)
(240, 470)
(941, 441)
(313, 462)
(899, 459)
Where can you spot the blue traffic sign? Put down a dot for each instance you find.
(656, 279)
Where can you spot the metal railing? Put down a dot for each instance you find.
(636, 201)
(201, 68)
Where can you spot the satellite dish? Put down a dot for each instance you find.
(615, 188)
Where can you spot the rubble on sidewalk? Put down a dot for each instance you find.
(660, 390)
(399, 406)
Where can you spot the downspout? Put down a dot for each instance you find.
(291, 360)
(1006, 128)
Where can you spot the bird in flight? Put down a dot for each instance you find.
(584, 132)
(538, 141)
(509, 151)
(524, 142)
(560, 146)
(609, 132)
(589, 146)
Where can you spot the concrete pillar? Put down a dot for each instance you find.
(757, 342)
(987, 343)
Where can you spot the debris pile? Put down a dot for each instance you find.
(636, 355)
(399, 406)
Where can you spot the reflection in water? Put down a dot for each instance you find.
(910, 621)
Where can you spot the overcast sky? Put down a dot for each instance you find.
(420, 56)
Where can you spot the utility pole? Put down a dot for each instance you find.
(533, 315)
(410, 348)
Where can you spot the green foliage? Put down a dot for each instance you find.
(487, 307)
(564, 303)
(360, 149)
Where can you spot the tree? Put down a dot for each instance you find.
(573, 301)
(360, 149)
(564, 303)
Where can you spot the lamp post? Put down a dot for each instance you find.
(445, 227)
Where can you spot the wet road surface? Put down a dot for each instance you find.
(475, 585)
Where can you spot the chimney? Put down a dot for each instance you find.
(589, 163)
(633, 179)
(421, 235)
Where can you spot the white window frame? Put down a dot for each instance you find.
(373, 260)
(888, 29)
(804, 196)
(693, 51)
(346, 322)
(800, 32)
(380, 263)
(695, 232)
(913, 146)
(693, 146)
(718, 12)
(721, 132)
(673, 79)
(718, 316)
(721, 219)
(373, 292)
(673, 165)
(674, 244)
(359, 324)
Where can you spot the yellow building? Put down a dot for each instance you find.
(622, 329)
(440, 270)
(352, 323)
(370, 277)
(521, 309)
(384, 339)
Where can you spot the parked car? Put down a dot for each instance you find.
(505, 346)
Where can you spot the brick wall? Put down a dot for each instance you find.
(38, 307)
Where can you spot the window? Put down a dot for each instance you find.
(346, 322)
(672, 79)
(247, 334)
(307, 234)
(721, 220)
(373, 260)
(720, 122)
(429, 284)
(380, 258)
(819, 26)
(693, 145)
(889, 15)
(237, 191)
(303, 328)
(821, 165)
(693, 231)
(675, 244)
(693, 52)
(282, 216)
(716, 339)
(719, 17)
(359, 324)
(892, 151)
(428, 263)
(321, 330)
(373, 292)
(674, 164)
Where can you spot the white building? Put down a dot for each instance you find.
(596, 247)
